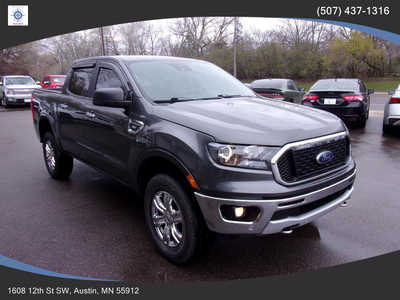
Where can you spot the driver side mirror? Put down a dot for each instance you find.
(370, 91)
(391, 93)
(110, 97)
(46, 82)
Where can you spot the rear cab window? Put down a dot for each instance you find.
(80, 81)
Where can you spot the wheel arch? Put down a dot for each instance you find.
(157, 161)
(44, 126)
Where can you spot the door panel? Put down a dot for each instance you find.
(72, 117)
(71, 110)
(106, 129)
(107, 139)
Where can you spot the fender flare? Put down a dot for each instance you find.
(157, 153)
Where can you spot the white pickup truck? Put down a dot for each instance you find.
(16, 90)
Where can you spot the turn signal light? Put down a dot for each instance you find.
(192, 182)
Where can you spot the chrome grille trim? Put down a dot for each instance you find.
(305, 143)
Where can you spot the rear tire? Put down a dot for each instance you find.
(58, 164)
(176, 227)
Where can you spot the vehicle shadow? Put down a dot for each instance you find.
(226, 257)
(16, 108)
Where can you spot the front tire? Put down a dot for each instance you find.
(58, 164)
(176, 228)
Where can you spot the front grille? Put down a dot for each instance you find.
(300, 163)
(23, 91)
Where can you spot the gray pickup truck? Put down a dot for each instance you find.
(204, 151)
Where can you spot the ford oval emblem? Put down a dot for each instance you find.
(324, 157)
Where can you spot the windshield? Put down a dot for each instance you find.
(269, 84)
(185, 79)
(58, 79)
(336, 85)
(19, 80)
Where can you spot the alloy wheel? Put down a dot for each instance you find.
(167, 219)
(50, 155)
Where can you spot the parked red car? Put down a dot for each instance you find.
(52, 81)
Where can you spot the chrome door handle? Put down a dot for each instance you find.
(63, 105)
(90, 114)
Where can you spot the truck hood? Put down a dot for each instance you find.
(251, 120)
(22, 86)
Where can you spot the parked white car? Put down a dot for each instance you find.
(391, 117)
(16, 89)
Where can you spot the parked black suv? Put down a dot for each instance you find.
(349, 99)
(205, 152)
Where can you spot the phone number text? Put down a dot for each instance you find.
(353, 11)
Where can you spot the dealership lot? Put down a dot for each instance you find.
(93, 226)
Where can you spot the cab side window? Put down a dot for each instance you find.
(292, 86)
(363, 89)
(80, 81)
(108, 79)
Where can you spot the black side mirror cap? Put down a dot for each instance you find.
(110, 97)
(370, 91)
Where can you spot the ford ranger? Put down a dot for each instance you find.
(205, 152)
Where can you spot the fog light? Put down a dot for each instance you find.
(239, 212)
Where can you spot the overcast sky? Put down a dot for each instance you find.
(249, 23)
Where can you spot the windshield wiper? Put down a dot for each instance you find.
(172, 100)
(230, 96)
(181, 99)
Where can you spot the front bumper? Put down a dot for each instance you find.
(280, 215)
(19, 99)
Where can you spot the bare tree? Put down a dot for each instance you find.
(194, 35)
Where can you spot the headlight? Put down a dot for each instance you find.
(251, 157)
(9, 92)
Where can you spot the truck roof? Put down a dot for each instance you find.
(17, 76)
(128, 58)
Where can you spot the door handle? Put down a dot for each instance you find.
(90, 114)
(63, 105)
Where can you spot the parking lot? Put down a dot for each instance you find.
(93, 226)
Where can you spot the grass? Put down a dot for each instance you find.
(378, 84)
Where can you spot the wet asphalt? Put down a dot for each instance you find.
(93, 226)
